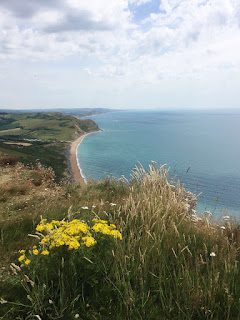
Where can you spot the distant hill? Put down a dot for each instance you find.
(43, 136)
(86, 111)
(80, 112)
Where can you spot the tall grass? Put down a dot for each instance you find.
(170, 264)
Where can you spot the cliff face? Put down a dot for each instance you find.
(86, 125)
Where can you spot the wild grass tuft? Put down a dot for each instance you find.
(171, 264)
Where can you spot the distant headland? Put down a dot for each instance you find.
(46, 137)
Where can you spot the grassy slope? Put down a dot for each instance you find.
(53, 131)
(162, 269)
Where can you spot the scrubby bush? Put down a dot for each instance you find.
(64, 272)
(8, 160)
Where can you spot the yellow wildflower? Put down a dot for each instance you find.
(72, 234)
(45, 252)
(21, 258)
(56, 222)
(22, 251)
(89, 241)
(116, 234)
(48, 226)
(45, 239)
(102, 228)
(39, 227)
(35, 252)
(27, 261)
(53, 244)
(74, 244)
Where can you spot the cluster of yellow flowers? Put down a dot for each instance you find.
(72, 234)
(75, 233)
(62, 233)
(23, 257)
(35, 252)
(102, 226)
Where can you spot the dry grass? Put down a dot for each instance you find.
(24, 193)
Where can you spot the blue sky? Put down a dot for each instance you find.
(142, 11)
(120, 54)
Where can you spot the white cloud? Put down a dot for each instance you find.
(72, 27)
(184, 41)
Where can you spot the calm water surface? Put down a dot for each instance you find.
(207, 142)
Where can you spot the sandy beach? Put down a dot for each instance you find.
(73, 158)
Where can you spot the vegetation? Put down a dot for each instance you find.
(164, 261)
(41, 136)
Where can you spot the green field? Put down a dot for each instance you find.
(41, 136)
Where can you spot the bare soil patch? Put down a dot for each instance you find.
(15, 129)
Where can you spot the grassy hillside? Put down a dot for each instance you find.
(43, 136)
(169, 264)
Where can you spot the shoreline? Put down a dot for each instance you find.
(76, 170)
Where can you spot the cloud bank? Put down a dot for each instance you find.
(133, 51)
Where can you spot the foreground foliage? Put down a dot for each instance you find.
(114, 250)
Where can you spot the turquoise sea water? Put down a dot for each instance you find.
(205, 141)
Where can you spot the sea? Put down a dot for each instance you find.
(201, 148)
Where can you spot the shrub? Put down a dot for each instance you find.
(8, 160)
(63, 272)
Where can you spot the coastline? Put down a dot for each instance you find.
(76, 171)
